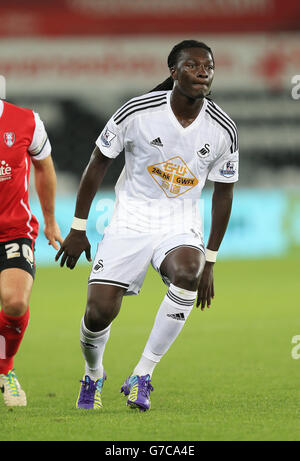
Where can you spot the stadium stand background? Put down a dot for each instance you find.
(76, 61)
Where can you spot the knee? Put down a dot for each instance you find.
(98, 315)
(187, 276)
(14, 306)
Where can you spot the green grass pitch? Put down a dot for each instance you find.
(229, 375)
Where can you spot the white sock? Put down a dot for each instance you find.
(144, 367)
(92, 346)
(169, 321)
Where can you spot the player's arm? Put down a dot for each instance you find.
(221, 210)
(45, 184)
(76, 241)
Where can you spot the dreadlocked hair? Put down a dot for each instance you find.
(173, 59)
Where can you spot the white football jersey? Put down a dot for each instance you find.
(166, 165)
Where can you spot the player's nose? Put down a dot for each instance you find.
(202, 71)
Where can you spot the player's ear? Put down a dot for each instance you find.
(173, 72)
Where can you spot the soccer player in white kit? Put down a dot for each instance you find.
(174, 139)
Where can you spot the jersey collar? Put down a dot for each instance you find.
(176, 122)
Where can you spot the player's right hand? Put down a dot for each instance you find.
(206, 290)
(74, 244)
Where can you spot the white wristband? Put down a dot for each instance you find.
(79, 224)
(211, 256)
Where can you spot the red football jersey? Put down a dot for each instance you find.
(19, 140)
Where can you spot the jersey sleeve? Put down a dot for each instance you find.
(111, 140)
(225, 168)
(40, 146)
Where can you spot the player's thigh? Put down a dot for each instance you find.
(183, 267)
(103, 304)
(15, 290)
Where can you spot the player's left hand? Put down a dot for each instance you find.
(52, 234)
(206, 286)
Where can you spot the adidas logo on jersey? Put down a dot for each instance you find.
(177, 316)
(156, 142)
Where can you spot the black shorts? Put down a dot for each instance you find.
(18, 253)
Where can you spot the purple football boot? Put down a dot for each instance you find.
(138, 389)
(90, 393)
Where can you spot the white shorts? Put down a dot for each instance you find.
(123, 261)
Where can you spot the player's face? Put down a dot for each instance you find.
(194, 72)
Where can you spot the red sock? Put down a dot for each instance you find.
(12, 330)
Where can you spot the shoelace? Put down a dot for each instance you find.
(90, 387)
(13, 383)
(146, 386)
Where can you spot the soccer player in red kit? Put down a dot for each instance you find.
(23, 140)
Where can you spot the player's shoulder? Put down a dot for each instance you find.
(222, 122)
(143, 104)
(19, 110)
(218, 114)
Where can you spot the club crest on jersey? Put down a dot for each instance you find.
(9, 138)
(228, 170)
(204, 152)
(173, 176)
(107, 137)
